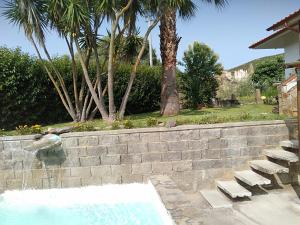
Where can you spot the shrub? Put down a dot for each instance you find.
(26, 94)
(81, 127)
(128, 124)
(152, 122)
(198, 82)
(145, 93)
(24, 130)
(268, 72)
(115, 125)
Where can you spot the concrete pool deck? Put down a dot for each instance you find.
(276, 207)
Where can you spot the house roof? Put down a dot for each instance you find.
(293, 17)
(282, 34)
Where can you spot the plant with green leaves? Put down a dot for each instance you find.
(268, 72)
(198, 82)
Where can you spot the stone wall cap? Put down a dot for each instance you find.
(178, 128)
(156, 129)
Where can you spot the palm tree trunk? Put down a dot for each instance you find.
(168, 47)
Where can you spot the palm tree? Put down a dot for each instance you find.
(169, 45)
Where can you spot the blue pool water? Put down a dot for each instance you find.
(90, 207)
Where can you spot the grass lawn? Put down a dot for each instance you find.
(251, 112)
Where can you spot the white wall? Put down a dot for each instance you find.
(292, 51)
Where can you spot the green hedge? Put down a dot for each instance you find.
(28, 97)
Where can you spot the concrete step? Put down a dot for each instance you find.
(289, 144)
(282, 155)
(233, 189)
(251, 178)
(268, 167)
(216, 199)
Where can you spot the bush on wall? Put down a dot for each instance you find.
(26, 95)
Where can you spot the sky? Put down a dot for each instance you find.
(228, 31)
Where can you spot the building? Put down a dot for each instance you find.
(286, 36)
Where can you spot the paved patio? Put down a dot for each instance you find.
(276, 207)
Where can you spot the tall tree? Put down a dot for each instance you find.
(169, 41)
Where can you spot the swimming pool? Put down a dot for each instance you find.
(132, 204)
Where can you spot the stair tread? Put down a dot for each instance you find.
(268, 167)
(282, 155)
(289, 144)
(233, 189)
(251, 178)
(216, 199)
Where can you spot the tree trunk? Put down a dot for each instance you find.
(168, 47)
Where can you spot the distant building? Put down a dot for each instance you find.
(286, 36)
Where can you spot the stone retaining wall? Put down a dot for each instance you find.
(193, 155)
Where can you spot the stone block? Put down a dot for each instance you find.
(234, 132)
(150, 137)
(181, 166)
(90, 181)
(207, 164)
(142, 168)
(7, 155)
(76, 151)
(251, 151)
(230, 152)
(127, 138)
(101, 171)
(137, 147)
(162, 167)
(51, 183)
(217, 143)
(81, 172)
(70, 142)
(171, 156)
(151, 157)
(71, 162)
(189, 135)
(24, 143)
(12, 145)
(256, 141)
(210, 133)
(177, 145)
(211, 154)
(192, 155)
(132, 178)
(198, 144)
(121, 169)
(274, 140)
(169, 136)
(130, 159)
(89, 161)
(40, 173)
(117, 149)
(71, 182)
(236, 142)
(96, 150)
(110, 159)
(157, 147)
(13, 184)
(115, 179)
(6, 174)
(88, 141)
(18, 165)
(109, 140)
(18, 155)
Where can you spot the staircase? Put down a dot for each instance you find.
(258, 175)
